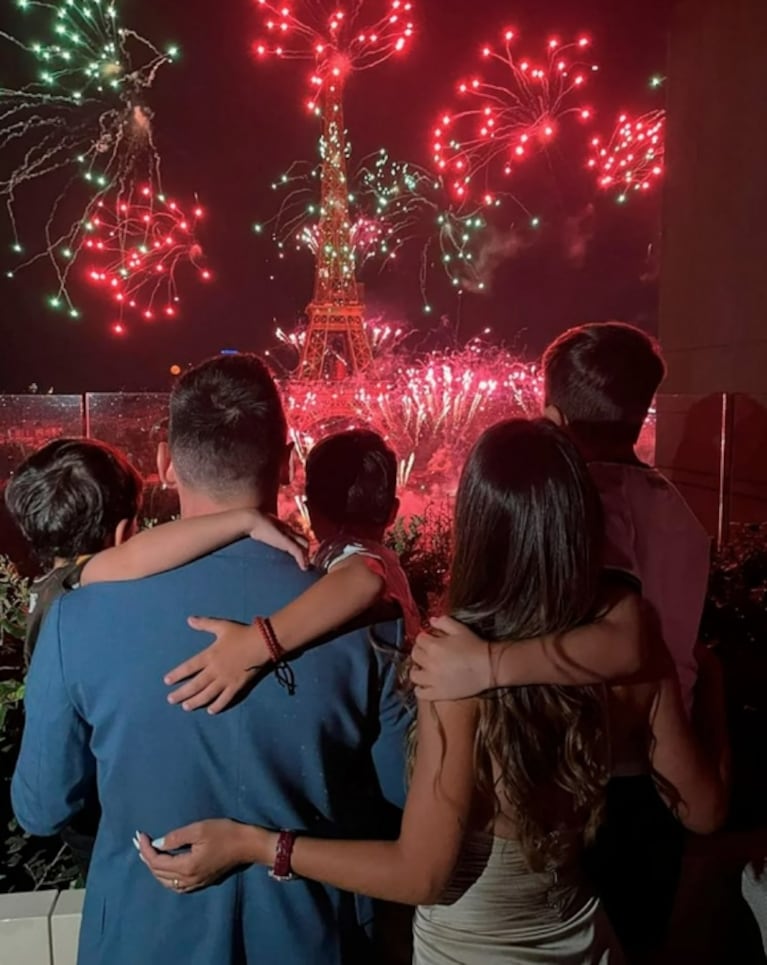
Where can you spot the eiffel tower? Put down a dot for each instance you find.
(335, 331)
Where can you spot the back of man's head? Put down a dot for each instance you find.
(602, 377)
(227, 431)
(69, 497)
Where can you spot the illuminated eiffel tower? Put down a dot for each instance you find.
(336, 330)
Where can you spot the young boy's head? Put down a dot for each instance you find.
(600, 380)
(74, 497)
(351, 484)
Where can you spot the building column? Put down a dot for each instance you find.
(713, 315)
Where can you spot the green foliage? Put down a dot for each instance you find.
(736, 609)
(735, 620)
(423, 546)
(14, 601)
(29, 864)
(11, 695)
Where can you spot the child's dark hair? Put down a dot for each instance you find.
(351, 478)
(69, 497)
(603, 377)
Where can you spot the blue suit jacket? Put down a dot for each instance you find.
(328, 760)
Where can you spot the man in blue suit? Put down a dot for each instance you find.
(327, 759)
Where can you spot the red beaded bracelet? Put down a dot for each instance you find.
(282, 870)
(283, 671)
(266, 630)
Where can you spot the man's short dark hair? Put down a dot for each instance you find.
(69, 497)
(227, 427)
(603, 377)
(351, 478)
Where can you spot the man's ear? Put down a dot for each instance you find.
(165, 469)
(554, 414)
(124, 530)
(286, 465)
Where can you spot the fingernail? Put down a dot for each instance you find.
(136, 845)
(158, 844)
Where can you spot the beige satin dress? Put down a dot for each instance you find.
(498, 912)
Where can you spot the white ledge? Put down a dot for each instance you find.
(40, 928)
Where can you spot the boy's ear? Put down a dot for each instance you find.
(286, 467)
(124, 530)
(165, 468)
(555, 415)
(393, 513)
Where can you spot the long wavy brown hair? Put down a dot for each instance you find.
(527, 560)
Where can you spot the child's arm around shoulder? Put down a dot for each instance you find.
(174, 544)
(215, 675)
(456, 663)
(348, 589)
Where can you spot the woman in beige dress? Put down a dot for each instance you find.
(505, 789)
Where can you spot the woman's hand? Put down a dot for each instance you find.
(450, 664)
(215, 847)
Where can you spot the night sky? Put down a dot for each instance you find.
(226, 126)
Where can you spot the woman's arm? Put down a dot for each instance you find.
(215, 675)
(458, 664)
(693, 780)
(173, 544)
(416, 869)
(413, 870)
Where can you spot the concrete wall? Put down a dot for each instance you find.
(713, 320)
(41, 928)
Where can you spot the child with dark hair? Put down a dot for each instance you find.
(600, 383)
(351, 486)
(70, 499)
(351, 481)
(76, 501)
(600, 380)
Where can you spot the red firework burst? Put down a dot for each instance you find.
(335, 37)
(514, 110)
(632, 159)
(134, 248)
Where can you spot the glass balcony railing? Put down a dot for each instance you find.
(712, 447)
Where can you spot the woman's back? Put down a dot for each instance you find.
(497, 912)
(527, 562)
